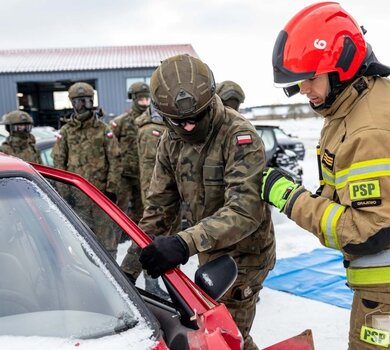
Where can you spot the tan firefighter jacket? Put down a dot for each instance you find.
(352, 213)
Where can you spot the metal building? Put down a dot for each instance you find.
(37, 80)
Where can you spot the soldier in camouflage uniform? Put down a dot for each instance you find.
(150, 128)
(20, 143)
(125, 130)
(86, 146)
(212, 159)
(231, 94)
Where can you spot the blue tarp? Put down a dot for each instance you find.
(318, 275)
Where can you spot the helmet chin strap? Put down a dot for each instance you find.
(336, 87)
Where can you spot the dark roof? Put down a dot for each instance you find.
(88, 58)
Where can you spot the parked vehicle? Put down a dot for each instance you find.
(277, 155)
(61, 289)
(290, 142)
(44, 132)
(58, 281)
(45, 145)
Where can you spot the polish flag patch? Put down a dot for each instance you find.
(244, 139)
(114, 125)
(110, 135)
(156, 133)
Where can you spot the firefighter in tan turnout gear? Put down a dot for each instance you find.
(20, 142)
(87, 146)
(211, 159)
(345, 83)
(125, 130)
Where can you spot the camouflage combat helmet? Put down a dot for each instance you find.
(182, 86)
(17, 117)
(17, 122)
(229, 89)
(80, 89)
(138, 89)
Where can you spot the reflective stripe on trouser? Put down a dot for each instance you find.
(241, 300)
(369, 323)
(329, 224)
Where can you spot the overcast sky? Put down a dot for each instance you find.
(234, 37)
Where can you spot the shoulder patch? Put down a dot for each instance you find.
(58, 136)
(156, 133)
(328, 160)
(110, 135)
(244, 139)
(113, 124)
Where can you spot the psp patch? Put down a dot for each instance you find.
(365, 194)
(244, 139)
(375, 336)
(328, 159)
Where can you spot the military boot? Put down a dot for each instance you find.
(152, 286)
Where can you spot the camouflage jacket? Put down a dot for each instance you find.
(91, 150)
(125, 130)
(22, 148)
(150, 130)
(219, 183)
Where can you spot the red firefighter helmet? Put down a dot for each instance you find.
(321, 38)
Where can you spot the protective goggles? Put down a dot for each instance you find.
(79, 103)
(290, 89)
(191, 121)
(20, 128)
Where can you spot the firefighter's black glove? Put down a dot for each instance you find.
(111, 196)
(164, 253)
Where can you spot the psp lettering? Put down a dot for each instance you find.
(374, 336)
(363, 189)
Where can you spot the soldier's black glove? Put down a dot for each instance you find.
(111, 196)
(164, 253)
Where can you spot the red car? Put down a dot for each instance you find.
(60, 288)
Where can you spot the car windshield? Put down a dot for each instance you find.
(52, 283)
(280, 134)
(267, 137)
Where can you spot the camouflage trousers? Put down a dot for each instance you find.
(241, 300)
(98, 222)
(370, 321)
(130, 192)
(130, 263)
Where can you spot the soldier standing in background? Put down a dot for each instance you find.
(231, 94)
(20, 142)
(125, 130)
(211, 159)
(86, 146)
(150, 128)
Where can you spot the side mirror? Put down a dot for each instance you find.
(217, 276)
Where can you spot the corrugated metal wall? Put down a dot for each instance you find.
(110, 85)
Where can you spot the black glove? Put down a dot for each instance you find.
(111, 196)
(164, 253)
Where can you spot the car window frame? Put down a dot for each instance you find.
(187, 290)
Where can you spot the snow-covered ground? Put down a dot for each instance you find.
(281, 315)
